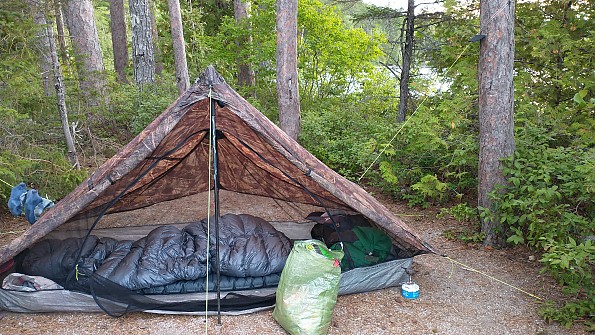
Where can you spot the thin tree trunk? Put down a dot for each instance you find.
(407, 56)
(119, 39)
(61, 94)
(143, 57)
(177, 36)
(496, 105)
(42, 45)
(80, 21)
(61, 34)
(245, 72)
(155, 35)
(287, 75)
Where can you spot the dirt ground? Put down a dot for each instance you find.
(453, 299)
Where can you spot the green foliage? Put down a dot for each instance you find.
(555, 68)
(465, 235)
(46, 170)
(19, 70)
(549, 205)
(133, 109)
(550, 193)
(332, 57)
(426, 191)
(570, 263)
(338, 133)
(462, 212)
(429, 143)
(195, 23)
(568, 313)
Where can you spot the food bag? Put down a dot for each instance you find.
(307, 290)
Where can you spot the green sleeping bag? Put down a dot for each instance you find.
(372, 246)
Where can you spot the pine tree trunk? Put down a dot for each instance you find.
(80, 21)
(119, 39)
(143, 57)
(177, 36)
(496, 105)
(42, 45)
(60, 93)
(245, 72)
(287, 75)
(407, 56)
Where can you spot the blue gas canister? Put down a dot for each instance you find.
(409, 289)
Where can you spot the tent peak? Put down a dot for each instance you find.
(210, 76)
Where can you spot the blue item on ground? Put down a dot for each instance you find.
(16, 200)
(29, 200)
(35, 205)
(33, 199)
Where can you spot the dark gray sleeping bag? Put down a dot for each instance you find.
(248, 246)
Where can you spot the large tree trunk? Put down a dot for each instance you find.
(287, 75)
(119, 39)
(143, 57)
(42, 44)
(407, 56)
(177, 36)
(496, 105)
(80, 21)
(245, 72)
(60, 93)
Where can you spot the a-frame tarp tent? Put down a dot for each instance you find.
(171, 158)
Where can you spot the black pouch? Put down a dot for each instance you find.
(338, 227)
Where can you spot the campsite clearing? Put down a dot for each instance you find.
(453, 300)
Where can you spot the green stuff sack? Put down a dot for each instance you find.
(308, 287)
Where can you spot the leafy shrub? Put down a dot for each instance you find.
(462, 212)
(428, 190)
(549, 205)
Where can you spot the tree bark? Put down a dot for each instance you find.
(42, 45)
(60, 93)
(119, 39)
(407, 53)
(177, 36)
(496, 105)
(287, 75)
(245, 72)
(143, 57)
(80, 21)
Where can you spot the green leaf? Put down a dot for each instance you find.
(516, 239)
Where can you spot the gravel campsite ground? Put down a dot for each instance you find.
(453, 299)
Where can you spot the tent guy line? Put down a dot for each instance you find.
(467, 267)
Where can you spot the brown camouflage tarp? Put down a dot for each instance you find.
(170, 159)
